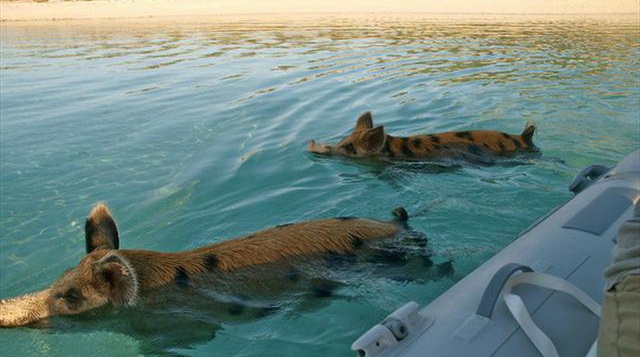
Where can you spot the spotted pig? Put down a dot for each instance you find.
(110, 276)
(369, 141)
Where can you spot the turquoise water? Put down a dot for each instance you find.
(194, 131)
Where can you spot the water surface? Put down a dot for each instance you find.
(194, 131)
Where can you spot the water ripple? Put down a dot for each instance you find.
(196, 132)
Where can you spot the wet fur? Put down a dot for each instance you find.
(367, 140)
(107, 275)
(340, 236)
(477, 143)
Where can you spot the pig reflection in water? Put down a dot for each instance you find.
(168, 295)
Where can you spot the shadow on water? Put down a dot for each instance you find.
(178, 317)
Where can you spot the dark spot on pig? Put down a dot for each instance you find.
(501, 146)
(404, 147)
(284, 225)
(182, 277)
(434, 138)
(485, 145)
(464, 135)
(417, 142)
(211, 261)
(356, 242)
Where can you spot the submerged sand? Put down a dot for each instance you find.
(42, 10)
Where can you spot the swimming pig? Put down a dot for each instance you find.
(369, 141)
(109, 276)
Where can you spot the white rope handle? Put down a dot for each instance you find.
(553, 282)
(542, 342)
(519, 311)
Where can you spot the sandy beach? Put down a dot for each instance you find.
(20, 11)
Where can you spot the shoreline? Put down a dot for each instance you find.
(12, 12)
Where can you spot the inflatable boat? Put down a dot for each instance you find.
(540, 296)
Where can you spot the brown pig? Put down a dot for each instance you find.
(369, 141)
(109, 276)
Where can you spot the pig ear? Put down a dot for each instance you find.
(119, 277)
(364, 122)
(373, 139)
(100, 231)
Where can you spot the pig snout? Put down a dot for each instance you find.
(318, 148)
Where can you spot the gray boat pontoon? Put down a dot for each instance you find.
(540, 296)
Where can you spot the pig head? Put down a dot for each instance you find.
(363, 141)
(102, 277)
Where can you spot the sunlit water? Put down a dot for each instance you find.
(194, 131)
